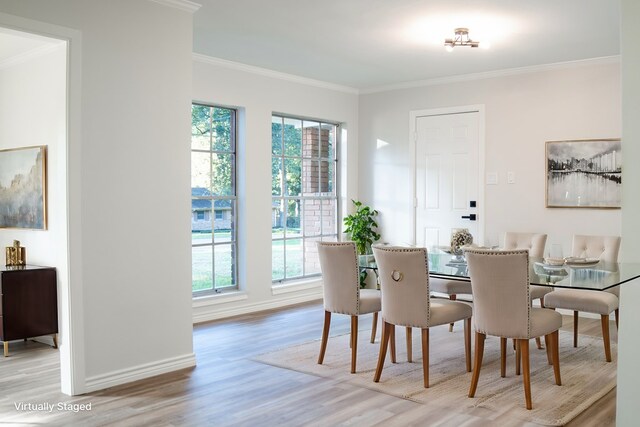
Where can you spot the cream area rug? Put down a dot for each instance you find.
(586, 377)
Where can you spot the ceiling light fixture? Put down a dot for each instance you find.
(461, 39)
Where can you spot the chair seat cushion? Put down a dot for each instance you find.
(444, 311)
(543, 322)
(449, 287)
(537, 292)
(369, 301)
(581, 300)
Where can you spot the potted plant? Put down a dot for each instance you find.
(361, 226)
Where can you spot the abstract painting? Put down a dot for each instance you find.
(23, 188)
(584, 173)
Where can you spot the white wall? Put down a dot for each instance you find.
(32, 112)
(522, 112)
(130, 86)
(628, 411)
(258, 96)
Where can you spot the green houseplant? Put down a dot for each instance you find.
(362, 227)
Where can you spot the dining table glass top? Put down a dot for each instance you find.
(599, 276)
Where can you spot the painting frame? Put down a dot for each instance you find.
(587, 172)
(25, 206)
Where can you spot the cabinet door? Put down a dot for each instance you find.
(30, 303)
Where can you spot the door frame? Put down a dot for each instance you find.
(413, 139)
(70, 271)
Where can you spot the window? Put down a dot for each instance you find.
(219, 214)
(304, 207)
(213, 188)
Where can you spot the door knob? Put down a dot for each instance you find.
(471, 217)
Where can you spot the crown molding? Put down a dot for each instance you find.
(30, 54)
(185, 5)
(494, 74)
(198, 57)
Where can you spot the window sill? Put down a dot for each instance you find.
(219, 298)
(297, 285)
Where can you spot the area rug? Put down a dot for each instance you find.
(586, 377)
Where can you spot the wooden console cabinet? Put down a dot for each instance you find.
(28, 303)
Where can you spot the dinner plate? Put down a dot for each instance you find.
(550, 267)
(582, 262)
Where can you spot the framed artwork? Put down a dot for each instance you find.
(584, 173)
(23, 188)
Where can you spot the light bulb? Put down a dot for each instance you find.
(484, 45)
(449, 48)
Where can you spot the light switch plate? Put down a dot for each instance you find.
(492, 178)
(511, 177)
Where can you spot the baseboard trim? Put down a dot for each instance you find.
(207, 314)
(147, 370)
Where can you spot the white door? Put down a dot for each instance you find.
(447, 177)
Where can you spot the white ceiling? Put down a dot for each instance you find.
(371, 43)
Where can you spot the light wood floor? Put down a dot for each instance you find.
(228, 388)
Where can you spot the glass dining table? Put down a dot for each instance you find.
(598, 276)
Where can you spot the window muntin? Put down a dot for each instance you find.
(304, 198)
(213, 193)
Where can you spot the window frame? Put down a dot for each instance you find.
(284, 198)
(233, 198)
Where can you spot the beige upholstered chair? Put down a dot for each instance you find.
(502, 307)
(404, 281)
(603, 303)
(342, 293)
(535, 243)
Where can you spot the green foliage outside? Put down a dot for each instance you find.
(289, 138)
(215, 124)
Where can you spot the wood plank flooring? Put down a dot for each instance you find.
(228, 388)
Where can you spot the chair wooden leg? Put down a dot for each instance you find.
(518, 356)
(325, 336)
(374, 327)
(409, 346)
(503, 357)
(354, 340)
(477, 363)
(452, 298)
(547, 344)
(384, 342)
(575, 328)
(539, 343)
(467, 343)
(556, 356)
(425, 356)
(605, 336)
(526, 377)
(542, 303)
(617, 312)
(392, 338)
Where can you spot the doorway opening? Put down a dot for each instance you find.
(33, 113)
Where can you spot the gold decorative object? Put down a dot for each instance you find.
(16, 255)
